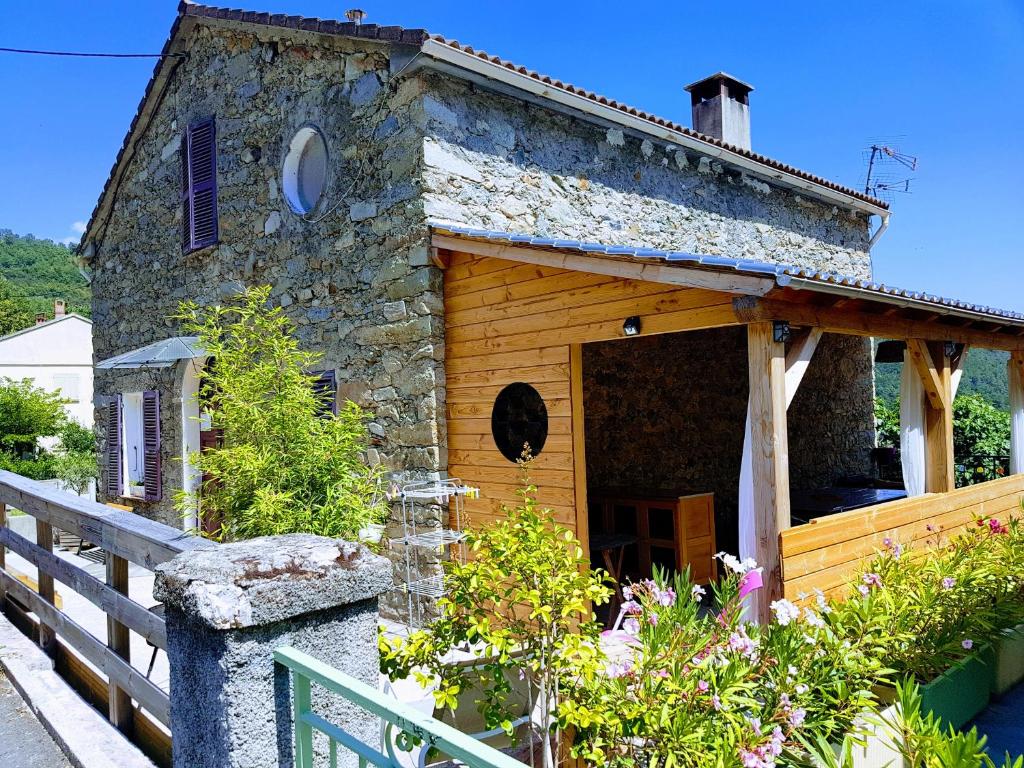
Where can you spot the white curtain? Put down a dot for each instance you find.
(912, 428)
(1016, 419)
(748, 530)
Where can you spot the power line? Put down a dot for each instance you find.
(95, 55)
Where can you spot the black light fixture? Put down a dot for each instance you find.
(781, 332)
(631, 327)
(890, 351)
(952, 349)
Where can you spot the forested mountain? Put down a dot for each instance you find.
(985, 375)
(39, 271)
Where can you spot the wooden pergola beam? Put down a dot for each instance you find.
(750, 309)
(930, 375)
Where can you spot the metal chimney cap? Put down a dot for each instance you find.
(355, 15)
(720, 77)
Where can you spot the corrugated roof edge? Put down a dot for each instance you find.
(784, 274)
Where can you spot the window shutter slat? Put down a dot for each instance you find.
(200, 201)
(325, 388)
(112, 458)
(151, 444)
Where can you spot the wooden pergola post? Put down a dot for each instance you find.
(934, 367)
(769, 456)
(1016, 371)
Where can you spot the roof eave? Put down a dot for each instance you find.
(439, 55)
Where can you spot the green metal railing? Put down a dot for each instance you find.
(414, 728)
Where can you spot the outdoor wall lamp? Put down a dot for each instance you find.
(950, 348)
(781, 332)
(631, 327)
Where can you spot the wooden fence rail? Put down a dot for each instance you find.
(825, 553)
(126, 538)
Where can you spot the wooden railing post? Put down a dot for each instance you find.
(3, 557)
(44, 540)
(120, 703)
(935, 369)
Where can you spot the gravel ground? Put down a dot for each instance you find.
(23, 741)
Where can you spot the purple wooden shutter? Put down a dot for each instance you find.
(151, 444)
(200, 212)
(326, 390)
(113, 454)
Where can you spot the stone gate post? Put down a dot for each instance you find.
(228, 609)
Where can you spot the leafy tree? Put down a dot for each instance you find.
(26, 414)
(41, 271)
(984, 374)
(285, 465)
(15, 312)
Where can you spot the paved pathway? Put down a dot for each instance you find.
(1003, 723)
(23, 741)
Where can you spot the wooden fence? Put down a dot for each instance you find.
(125, 538)
(825, 553)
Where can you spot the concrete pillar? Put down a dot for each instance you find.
(228, 608)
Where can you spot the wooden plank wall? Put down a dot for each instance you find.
(507, 322)
(826, 553)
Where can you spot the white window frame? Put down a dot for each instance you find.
(133, 459)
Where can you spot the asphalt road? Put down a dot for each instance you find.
(23, 741)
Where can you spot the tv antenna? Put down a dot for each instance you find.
(881, 182)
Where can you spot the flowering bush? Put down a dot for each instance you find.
(522, 605)
(689, 688)
(926, 610)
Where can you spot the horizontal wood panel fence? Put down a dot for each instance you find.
(825, 553)
(126, 538)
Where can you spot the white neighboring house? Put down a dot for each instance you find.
(57, 355)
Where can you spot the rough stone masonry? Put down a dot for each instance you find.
(404, 149)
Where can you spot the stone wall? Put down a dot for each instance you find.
(355, 275)
(666, 413)
(496, 163)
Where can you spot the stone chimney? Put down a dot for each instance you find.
(59, 308)
(721, 108)
(40, 318)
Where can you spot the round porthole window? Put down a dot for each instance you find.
(519, 419)
(305, 170)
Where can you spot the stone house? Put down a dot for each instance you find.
(324, 158)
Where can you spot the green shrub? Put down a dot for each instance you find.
(522, 604)
(285, 466)
(923, 611)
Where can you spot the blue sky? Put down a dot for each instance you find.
(939, 78)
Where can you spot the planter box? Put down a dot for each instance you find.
(878, 750)
(1009, 661)
(962, 691)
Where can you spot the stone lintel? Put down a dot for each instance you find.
(270, 579)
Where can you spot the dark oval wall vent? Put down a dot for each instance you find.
(519, 419)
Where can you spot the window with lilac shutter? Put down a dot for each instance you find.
(325, 387)
(199, 185)
(112, 459)
(151, 444)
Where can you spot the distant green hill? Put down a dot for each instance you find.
(985, 375)
(40, 271)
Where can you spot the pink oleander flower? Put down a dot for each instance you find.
(632, 608)
(627, 593)
(948, 583)
(995, 527)
(665, 597)
(620, 669)
(631, 626)
(716, 702)
(864, 590)
(653, 619)
(872, 580)
(703, 686)
(967, 644)
(796, 717)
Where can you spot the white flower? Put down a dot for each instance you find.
(812, 618)
(697, 592)
(785, 611)
(801, 689)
